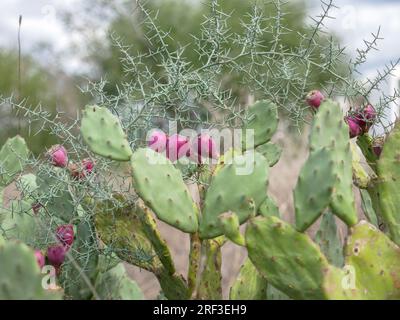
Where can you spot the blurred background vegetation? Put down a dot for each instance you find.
(55, 90)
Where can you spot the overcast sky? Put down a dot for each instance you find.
(353, 23)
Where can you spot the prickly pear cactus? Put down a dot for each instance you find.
(372, 267)
(231, 191)
(13, 157)
(256, 122)
(249, 285)
(298, 273)
(388, 183)
(229, 223)
(327, 238)
(162, 188)
(310, 201)
(20, 277)
(272, 152)
(269, 207)
(115, 284)
(102, 132)
(330, 131)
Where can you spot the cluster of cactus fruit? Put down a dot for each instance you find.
(283, 261)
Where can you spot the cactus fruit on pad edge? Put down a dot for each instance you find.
(230, 191)
(103, 133)
(330, 131)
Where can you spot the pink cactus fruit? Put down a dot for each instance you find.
(58, 156)
(203, 146)
(39, 258)
(65, 234)
(377, 146)
(354, 128)
(314, 99)
(56, 255)
(177, 147)
(158, 141)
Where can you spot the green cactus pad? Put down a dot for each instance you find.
(121, 230)
(210, 286)
(331, 132)
(288, 259)
(314, 188)
(360, 176)
(372, 266)
(275, 294)
(229, 191)
(115, 284)
(271, 152)
(389, 183)
(162, 188)
(328, 239)
(365, 144)
(103, 133)
(368, 209)
(13, 157)
(20, 277)
(229, 223)
(269, 207)
(249, 285)
(263, 119)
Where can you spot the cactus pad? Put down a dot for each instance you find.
(162, 188)
(389, 183)
(372, 265)
(13, 157)
(314, 188)
(263, 119)
(229, 191)
(20, 277)
(103, 133)
(288, 259)
(269, 207)
(115, 284)
(249, 285)
(271, 152)
(330, 131)
(328, 239)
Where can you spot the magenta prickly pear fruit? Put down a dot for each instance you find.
(158, 141)
(354, 128)
(314, 99)
(177, 147)
(203, 146)
(58, 156)
(39, 258)
(56, 255)
(377, 146)
(65, 234)
(83, 170)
